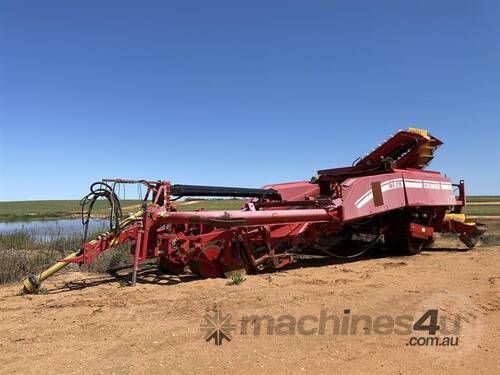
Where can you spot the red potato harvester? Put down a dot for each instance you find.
(384, 198)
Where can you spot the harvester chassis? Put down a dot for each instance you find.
(384, 195)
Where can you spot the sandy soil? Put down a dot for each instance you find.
(93, 324)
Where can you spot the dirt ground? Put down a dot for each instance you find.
(91, 323)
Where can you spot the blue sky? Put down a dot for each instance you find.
(240, 93)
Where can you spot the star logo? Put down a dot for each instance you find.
(217, 327)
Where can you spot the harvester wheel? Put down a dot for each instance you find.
(404, 243)
(413, 245)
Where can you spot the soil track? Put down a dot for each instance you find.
(92, 324)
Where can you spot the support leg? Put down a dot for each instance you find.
(136, 258)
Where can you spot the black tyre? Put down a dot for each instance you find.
(404, 243)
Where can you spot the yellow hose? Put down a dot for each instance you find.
(32, 283)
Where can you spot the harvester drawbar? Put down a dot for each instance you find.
(386, 197)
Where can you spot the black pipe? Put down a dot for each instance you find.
(219, 191)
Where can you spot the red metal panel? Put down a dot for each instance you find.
(428, 189)
(421, 231)
(357, 195)
(293, 191)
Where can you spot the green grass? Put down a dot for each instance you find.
(213, 205)
(483, 210)
(483, 198)
(236, 279)
(53, 209)
(58, 209)
(23, 253)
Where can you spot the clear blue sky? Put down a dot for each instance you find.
(240, 92)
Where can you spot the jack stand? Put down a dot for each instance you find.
(137, 250)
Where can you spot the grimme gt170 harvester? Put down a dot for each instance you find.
(385, 197)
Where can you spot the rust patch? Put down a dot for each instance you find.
(378, 198)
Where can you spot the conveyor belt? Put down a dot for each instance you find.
(412, 148)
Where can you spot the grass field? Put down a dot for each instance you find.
(57, 209)
(492, 210)
(483, 198)
(53, 209)
(483, 205)
(212, 205)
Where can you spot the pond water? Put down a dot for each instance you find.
(61, 227)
